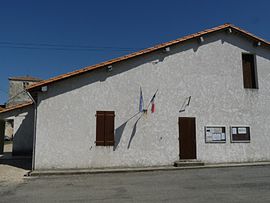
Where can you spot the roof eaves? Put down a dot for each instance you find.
(25, 78)
(250, 35)
(145, 51)
(14, 107)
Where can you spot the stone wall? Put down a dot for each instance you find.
(16, 94)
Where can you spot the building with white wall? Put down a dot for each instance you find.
(18, 123)
(22, 117)
(17, 95)
(212, 105)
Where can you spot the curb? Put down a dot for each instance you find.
(132, 170)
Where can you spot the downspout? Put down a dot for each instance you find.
(34, 130)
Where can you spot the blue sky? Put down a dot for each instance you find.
(48, 38)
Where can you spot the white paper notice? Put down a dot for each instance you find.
(234, 131)
(216, 136)
(242, 131)
(223, 136)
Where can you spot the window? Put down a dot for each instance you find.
(240, 134)
(25, 85)
(105, 128)
(249, 71)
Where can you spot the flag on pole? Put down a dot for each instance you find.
(141, 101)
(153, 108)
(185, 104)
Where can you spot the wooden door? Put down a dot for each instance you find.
(187, 138)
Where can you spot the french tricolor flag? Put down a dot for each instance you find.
(153, 108)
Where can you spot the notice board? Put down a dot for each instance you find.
(240, 134)
(215, 134)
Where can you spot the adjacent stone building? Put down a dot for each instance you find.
(18, 124)
(17, 95)
(17, 85)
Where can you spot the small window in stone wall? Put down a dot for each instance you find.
(240, 134)
(25, 85)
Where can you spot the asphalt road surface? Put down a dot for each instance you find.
(239, 184)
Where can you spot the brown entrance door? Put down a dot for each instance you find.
(187, 138)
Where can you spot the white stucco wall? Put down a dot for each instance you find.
(23, 132)
(23, 129)
(210, 72)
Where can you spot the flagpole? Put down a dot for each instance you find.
(151, 99)
(141, 104)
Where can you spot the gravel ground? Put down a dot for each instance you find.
(10, 178)
(11, 175)
(12, 171)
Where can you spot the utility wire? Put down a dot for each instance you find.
(66, 47)
(63, 49)
(3, 91)
(23, 91)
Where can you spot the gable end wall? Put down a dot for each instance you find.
(210, 72)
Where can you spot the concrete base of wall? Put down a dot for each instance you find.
(145, 169)
(188, 162)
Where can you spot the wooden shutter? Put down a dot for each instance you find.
(248, 71)
(109, 128)
(105, 128)
(100, 128)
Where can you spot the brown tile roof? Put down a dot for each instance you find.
(18, 106)
(25, 78)
(148, 50)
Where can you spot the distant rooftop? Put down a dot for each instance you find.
(25, 78)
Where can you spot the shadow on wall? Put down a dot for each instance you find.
(249, 47)
(23, 163)
(101, 74)
(154, 58)
(119, 131)
(133, 131)
(23, 137)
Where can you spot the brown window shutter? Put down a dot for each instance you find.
(249, 71)
(109, 128)
(100, 128)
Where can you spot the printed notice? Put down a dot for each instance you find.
(215, 134)
(223, 136)
(242, 130)
(234, 131)
(216, 137)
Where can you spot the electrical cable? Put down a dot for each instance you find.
(64, 47)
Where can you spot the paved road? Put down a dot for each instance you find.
(241, 184)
